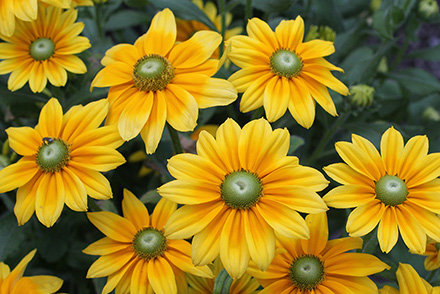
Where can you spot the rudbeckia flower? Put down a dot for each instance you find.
(43, 50)
(13, 282)
(318, 265)
(281, 72)
(238, 191)
(397, 189)
(409, 283)
(432, 260)
(62, 160)
(25, 10)
(244, 285)
(138, 255)
(157, 80)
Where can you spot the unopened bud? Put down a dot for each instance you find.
(431, 113)
(428, 8)
(320, 32)
(361, 95)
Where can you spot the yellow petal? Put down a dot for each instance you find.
(46, 284)
(135, 211)
(426, 196)
(409, 280)
(51, 119)
(121, 52)
(152, 131)
(26, 195)
(354, 264)
(161, 276)
(315, 48)
(301, 105)
(121, 279)
(113, 74)
(242, 79)
(411, 230)
(207, 147)
(349, 196)
(429, 221)
(50, 198)
(325, 77)
(109, 264)
(387, 232)
(18, 271)
(260, 30)
(391, 146)
(227, 136)
(318, 228)
(37, 78)
(76, 194)
(105, 246)
(371, 152)
(97, 186)
(357, 284)
(365, 218)
(113, 226)
(189, 191)
(99, 158)
(276, 98)
(290, 33)
(139, 278)
(104, 136)
(320, 93)
(17, 174)
(19, 76)
(162, 212)
(425, 170)
(253, 97)
(56, 74)
(338, 246)
(182, 109)
(71, 63)
(344, 174)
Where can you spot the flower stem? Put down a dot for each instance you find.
(222, 283)
(222, 10)
(175, 139)
(248, 11)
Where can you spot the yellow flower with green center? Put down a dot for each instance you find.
(238, 191)
(409, 283)
(138, 254)
(43, 49)
(281, 72)
(432, 260)
(244, 285)
(319, 265)
(397, 189)
(157, 80)
(62, 160)
(13, 282)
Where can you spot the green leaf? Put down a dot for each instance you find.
(385, 21)
(416, 81)
(12, 237)
(271, 6)
(430, 54)
(328, 13)
(185, 10)
(125, 19)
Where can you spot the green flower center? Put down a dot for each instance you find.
(53, 155)
(241, 189)
(306, 272)
(391, 190)
(42, 49)
(152, 73)
(285, 63)
(149, 243)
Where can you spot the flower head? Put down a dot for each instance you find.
(43, 49)
(238, 191)
(138, 255)
(281, 72)
(157, 80)
(432, 260)
(397, 189)
(317, 265)
(14, 282)
(62, 160)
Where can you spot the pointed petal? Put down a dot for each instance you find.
(97, 186)
(341, 245)
(414, 151)
(354, 264)
(113, 226)
(115, 73)
(109, 264)
(391, 146)
(135, 211)
(17, 174)
(276, 98)
(430, 223)
(182, 108)
(152, 131)
(314, 49)
(260, 30)
(24, 140)
(365, 218)
(51, 119)
(344, 174)
(105, 246)
(123, 53)
(26, 196)
(189, 191)
(301, 105)
(371, 153)
(318, 228)
(76, 194)
(409, 280)
(242, 79)
(162, 212)
(139, 278)
(253, 97)
(411, 230)
(290, 33)
(50, 198)
(161, 276)
(349, 196)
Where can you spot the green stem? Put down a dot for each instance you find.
(327, 136)
(92, 205)
(400, 54)
(248, 11)
(99, 24)
(222, 283)
(175, 139)
(222, 10)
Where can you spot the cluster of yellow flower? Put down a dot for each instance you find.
(241, 194)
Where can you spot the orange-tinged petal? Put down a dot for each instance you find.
(320, 93)
(429, 221)
(425, 170)
(115, 73)
(349, 196)
(182, 108)
(37, 78)
(50, 197)
(337, 246)
(17, 174)
(357, 284)
(242, 79)
(409, 280)
(71, 63)
(109, 264)
(301, 105)
(97, 186)
(253, 97)
(344, 174)
(318, 228)
(126, 53)
(196, 50)
(207, 68)
(152, 131)
(55, 73)
(208, 147)
(315, 48)
(260, 238)
(354, 264)
(260, 30)
(161, 276)
(426, 196)
(234, 251)
(411, 230)
(414, 151)
(247, 51)
(105, 246)
(113, 226)
(191, 219)
(371, 152)
(103, 136)
(279, 286)
(162, 212)
(365, 218)
(161, 35)
(334, 286)
(189, 191)
(45, 284)
(290, 33)
(282, 219)
(51, 119)
(76, 194)
(24, 140)
(26, 195)
(135, 211)
(139, 278)
(17, 272)
(276, 98)
(120, 279)
(100, 158)
(325, 77)
(391, 146)
(227, 137)
(19, 76)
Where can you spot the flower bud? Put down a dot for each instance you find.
(361, 95)
(431, 113)
(428, 8)
(375, 5)
(320, 32)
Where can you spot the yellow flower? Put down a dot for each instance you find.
(244, 285)
(82, 3)
(239, 190)
(138, 255)
(14, 282)
(317, 265)
(156, 80)
(25, 10)
(397, 189)
(187, 28)
(62, 160)
(43, 49)
(409, 283)
(281, 72)
(432, 261)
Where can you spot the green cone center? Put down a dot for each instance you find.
(42, 49)
(306, 272)
(152, 73)
(285, 63)
(149, 243)
(241, 189)
(391, 190)
(53, 155)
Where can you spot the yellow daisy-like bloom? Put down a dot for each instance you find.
(432, 261)
(319, 266)
(138, 255)
(25, 10)
(281, 72)
(43, 49)
(157, 80)
(14, 282)
(244, 285)
(409, 283)
(239, 190)
(187, 28)
(397, 189)
(62, 160)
